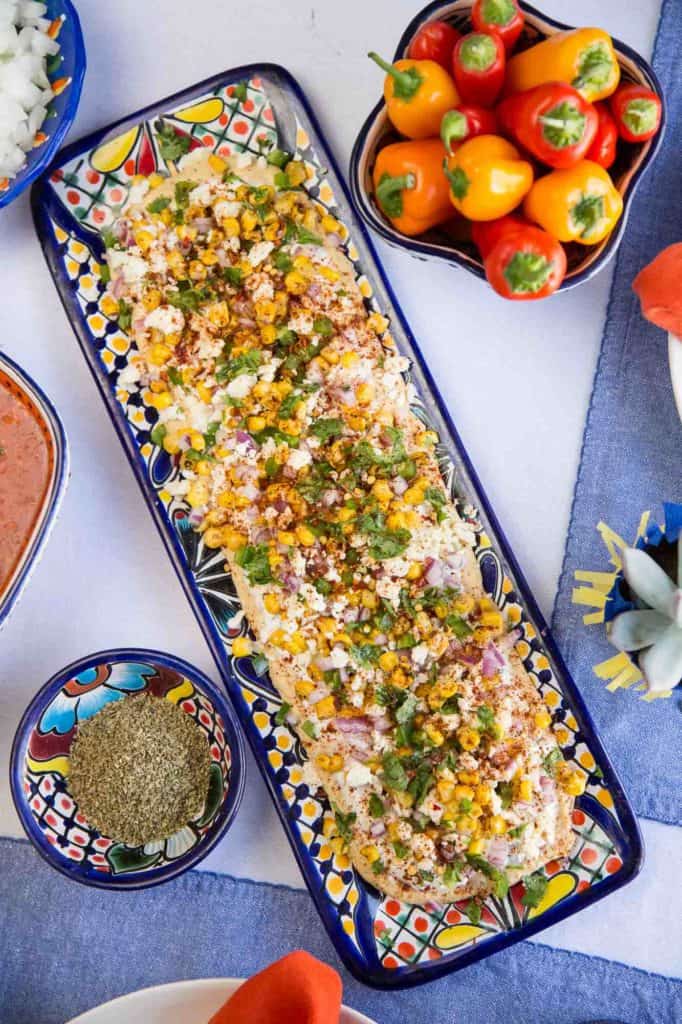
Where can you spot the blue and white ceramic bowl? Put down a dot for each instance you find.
(39, 768)
(377, 132)
(52, 430)
(66, 75)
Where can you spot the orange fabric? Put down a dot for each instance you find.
(659, 288)
(297, 989)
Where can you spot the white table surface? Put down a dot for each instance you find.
(105, 580)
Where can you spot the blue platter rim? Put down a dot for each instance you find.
(426, 250)
(154, 876)
(47, 152)
(632, 849)
(53, 500)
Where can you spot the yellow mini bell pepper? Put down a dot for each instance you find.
(487, 177)
(583, 57)
(580, 204)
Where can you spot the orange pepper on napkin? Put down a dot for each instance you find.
(659, 291)
(296, 988)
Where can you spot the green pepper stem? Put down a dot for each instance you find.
(406, 83)
(390, 190)
(498, 12)
(453, 128)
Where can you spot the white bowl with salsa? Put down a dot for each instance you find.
(33, 472)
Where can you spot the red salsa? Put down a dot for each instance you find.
(25, 471)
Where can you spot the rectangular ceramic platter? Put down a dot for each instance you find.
(383, 942)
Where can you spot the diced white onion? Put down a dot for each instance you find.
(24, 86)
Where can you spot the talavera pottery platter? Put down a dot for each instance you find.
(39, 767)
(384, 942)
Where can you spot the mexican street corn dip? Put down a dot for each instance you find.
(284, 403)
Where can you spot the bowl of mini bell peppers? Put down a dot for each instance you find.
(507, 143)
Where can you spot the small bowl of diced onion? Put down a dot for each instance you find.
(42, 65)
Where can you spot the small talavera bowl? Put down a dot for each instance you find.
(39, 768)
(631, 163)
(66, 75)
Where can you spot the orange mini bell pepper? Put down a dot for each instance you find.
(417, 94)
(487, 177)
(583, 57)
(579, 204)
(410, 187)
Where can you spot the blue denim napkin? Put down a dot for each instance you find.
(67, 948)
(631, 462)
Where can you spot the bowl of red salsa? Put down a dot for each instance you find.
(33, 473)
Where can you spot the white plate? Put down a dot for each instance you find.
(675, 359)
(182, 1002)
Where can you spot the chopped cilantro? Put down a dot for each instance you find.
(486, 719)
(401, 851)
(436, 498)
(323, 587)
(278, 158)
(309, 729)
(233, 275)
(451, 875)
(465, 805)
(282, 180)
(240, 91)
(104, 273)
(253, 559)
(344, 822)
(390, 544)
(406, 641)
(125, 315)
(450, 706)
(393, 774)
(497, 877)
(551, 760)
(297, 233)
(282, 261)
(458, 625)
(158, 204)
(158, 433)
(327, 429)
(389, 696)
(376, 806)
(419, 786)
(174, 375)
(323, 326)
(247, 362)
(271, 467)
(407, 708)
(535, 887)
(473, 911)
(211, 431)
(426, 876)
(505, 791)
(182, 191)
(378, 866)
(516, 833)
(366, 654)
(171, 145)
(109, 239)
(282, 713)
(259, 664)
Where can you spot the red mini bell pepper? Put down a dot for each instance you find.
(464, 122)
(637, 111)
(486, 234)
(478, 65)
(603, 148)
(552, 121)
(521, 261)
(501, 16)
(434, 41)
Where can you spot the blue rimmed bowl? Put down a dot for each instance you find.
(377, 132)
(45, 415)
(39, 765)
(66, 75)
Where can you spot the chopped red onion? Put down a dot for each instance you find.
(492, 662)
(548, 787)
(291, 582)
(117, 286)
(498, 852)
(400, 485)
(359, 724)
(434, 574)
(377, 829)
(380, 639)
(202, 224)
(382, 723)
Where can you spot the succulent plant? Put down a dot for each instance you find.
(654, 628)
